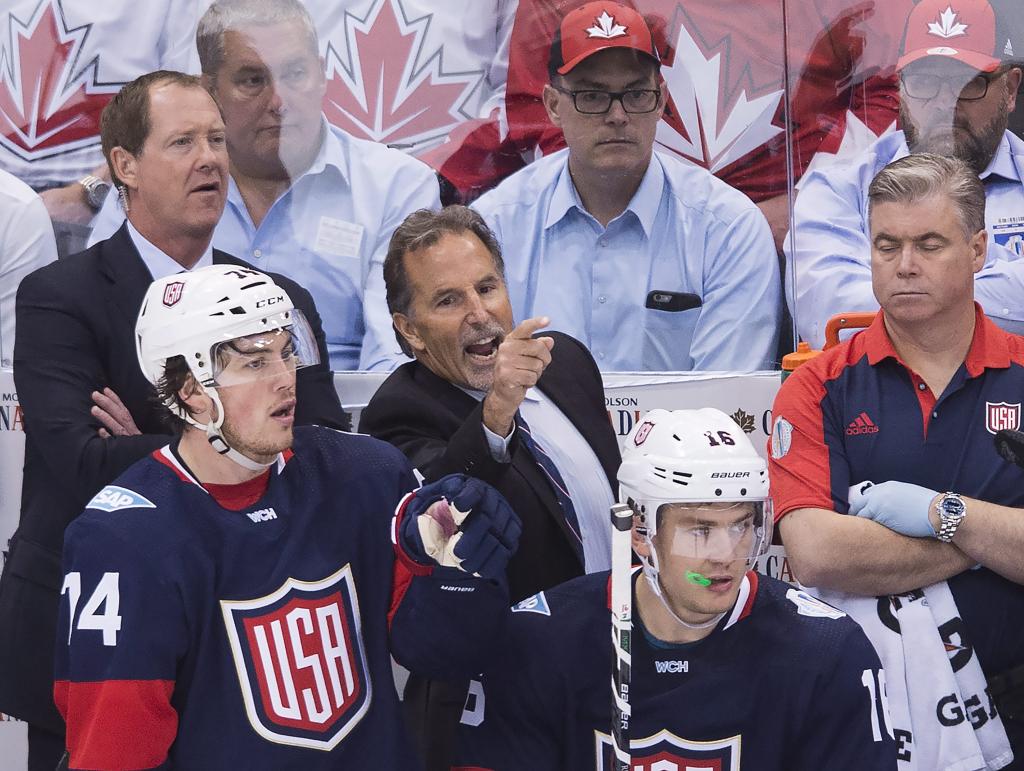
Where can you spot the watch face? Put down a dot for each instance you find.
(954, 507)
(96, 192)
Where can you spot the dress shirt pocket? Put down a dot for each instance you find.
(667, 338)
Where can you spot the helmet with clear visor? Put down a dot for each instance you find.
(233, 325)
(698, 471)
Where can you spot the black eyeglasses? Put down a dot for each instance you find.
(635, 100)
(926, 85)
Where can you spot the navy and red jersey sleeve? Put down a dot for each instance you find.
(847, 725)
(120, 634)
(443, 623)
(806, 463)
(515, 713)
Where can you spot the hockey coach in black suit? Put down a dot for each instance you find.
(522, 411)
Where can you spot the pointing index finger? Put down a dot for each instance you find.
(526, 329)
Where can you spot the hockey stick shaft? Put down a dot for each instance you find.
(622, 622)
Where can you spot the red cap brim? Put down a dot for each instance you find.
(978, 61)
(568, 66)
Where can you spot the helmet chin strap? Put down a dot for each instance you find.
(652, 573)
(217, 440)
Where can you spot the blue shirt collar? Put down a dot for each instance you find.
(159, 263)
(644, 204)
(1002, 164)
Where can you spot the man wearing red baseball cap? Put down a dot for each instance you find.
(652, 262)
(959, 79)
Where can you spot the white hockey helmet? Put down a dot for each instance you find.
(696, 457)
(201, 314)
(693, 456)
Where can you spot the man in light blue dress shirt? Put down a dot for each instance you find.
(305, 199)
(958, 87)
(653, 263)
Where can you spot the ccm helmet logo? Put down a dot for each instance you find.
(730, 475)
(270, 301)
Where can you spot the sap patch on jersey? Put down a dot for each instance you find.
(300, 661)
(538, 603)
(114, 498)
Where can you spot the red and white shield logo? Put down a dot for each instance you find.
(1001, 415)
(664, 751)
(642, 432)
(301, 662)
(172, 292)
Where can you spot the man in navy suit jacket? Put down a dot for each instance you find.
(89, 411)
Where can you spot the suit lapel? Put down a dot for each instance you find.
(460, 404)
(128, 275)
(453, 398)
(558, 383)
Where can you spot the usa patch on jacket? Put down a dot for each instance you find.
(300, 660)
(1002, 415)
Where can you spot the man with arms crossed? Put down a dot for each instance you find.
(911, 404)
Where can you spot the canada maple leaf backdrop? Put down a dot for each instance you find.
(50, 102)
(385, 90)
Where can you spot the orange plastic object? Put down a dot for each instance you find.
(845, 321)
(803, 354)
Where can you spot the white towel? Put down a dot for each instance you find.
(942, 720)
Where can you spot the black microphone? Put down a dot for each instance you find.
(1010, 445)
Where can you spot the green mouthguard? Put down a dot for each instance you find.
(697, 578)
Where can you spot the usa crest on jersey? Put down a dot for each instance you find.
(1002, 415)
(301, 661)
(664, 751)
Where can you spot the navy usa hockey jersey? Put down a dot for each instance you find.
(195, 637)
(783, 683)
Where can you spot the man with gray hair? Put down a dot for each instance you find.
(959, 77)
(895, 427)
(305, 199)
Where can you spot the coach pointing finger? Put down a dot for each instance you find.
(521, 360)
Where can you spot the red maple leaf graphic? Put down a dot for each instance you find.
(45, 107)
(383, 94)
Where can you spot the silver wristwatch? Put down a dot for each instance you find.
(95, 190)
(952, 512)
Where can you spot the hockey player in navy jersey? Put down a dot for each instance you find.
(231, 601)
(731, 670)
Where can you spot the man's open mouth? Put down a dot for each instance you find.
(483, 349)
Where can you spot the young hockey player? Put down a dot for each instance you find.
(730, 669)
(231, 601)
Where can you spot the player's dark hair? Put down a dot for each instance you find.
(421, 230)
(176, 376)
(125, 121)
